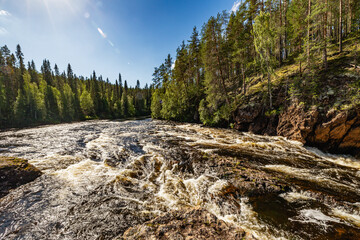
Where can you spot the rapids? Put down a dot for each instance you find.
(102, 177)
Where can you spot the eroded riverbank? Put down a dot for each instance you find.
(103, 177)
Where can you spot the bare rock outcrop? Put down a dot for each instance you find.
(335, 131)
(15, 172)
(252, 118)
(296, 123)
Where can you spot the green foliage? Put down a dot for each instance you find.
(277, 48)
(156, 103)
(2, 100)
(214, 116)
(29, 97)
(86, 103)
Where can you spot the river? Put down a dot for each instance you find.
(102, 177)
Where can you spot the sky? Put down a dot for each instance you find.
(130, 37)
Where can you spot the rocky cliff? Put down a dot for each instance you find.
(334, 131)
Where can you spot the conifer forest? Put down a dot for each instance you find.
(30, 96)
(248, 56)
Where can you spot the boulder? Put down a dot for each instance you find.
(252, 118)
(15, 172)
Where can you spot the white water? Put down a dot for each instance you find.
(102, 177)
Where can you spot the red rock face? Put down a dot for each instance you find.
(337, 132)
(352, 139)
(253, 119)
(296, 124)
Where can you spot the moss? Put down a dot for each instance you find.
(15, 172)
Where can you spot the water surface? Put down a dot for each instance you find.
(102, 177)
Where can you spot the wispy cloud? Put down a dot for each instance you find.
(236, 6)
(4, 13)
(3, 31)
(101, 32)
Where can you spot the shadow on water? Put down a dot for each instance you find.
(313, 222)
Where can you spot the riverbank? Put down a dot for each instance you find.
(33, 125)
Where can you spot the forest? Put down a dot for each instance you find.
(249, 56)
(29, 97)
(253, 55)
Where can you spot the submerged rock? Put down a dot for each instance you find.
(15, 172)
(196, 223)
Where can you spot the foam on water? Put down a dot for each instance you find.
(82, 195)
(296, 196)
(346, 216)
(314, 216)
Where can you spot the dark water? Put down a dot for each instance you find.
(102, 177)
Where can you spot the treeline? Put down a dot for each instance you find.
(50, 96)
(214, 67)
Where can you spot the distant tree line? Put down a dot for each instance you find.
(212, 69)
(28, 96)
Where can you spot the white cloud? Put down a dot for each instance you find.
(4, 13)
(3, 31)
(236, 6)
(101, 33)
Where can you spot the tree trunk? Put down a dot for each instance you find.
(243, 76)
(285, 33)
(220, 69)
(300, 70)
(340, 27)
(325, 36)
(269, 83)
(356, 56)
(350, 15)
(308, 33)
(331, 23)
(280, 35)
(269, 91)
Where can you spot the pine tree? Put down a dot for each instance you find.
(86, 103)
(20, 57)
(125, 101)
(340, 26)
(264, 33)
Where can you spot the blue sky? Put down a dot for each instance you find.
(130, 37)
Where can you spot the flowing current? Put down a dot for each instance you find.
(103, 177)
